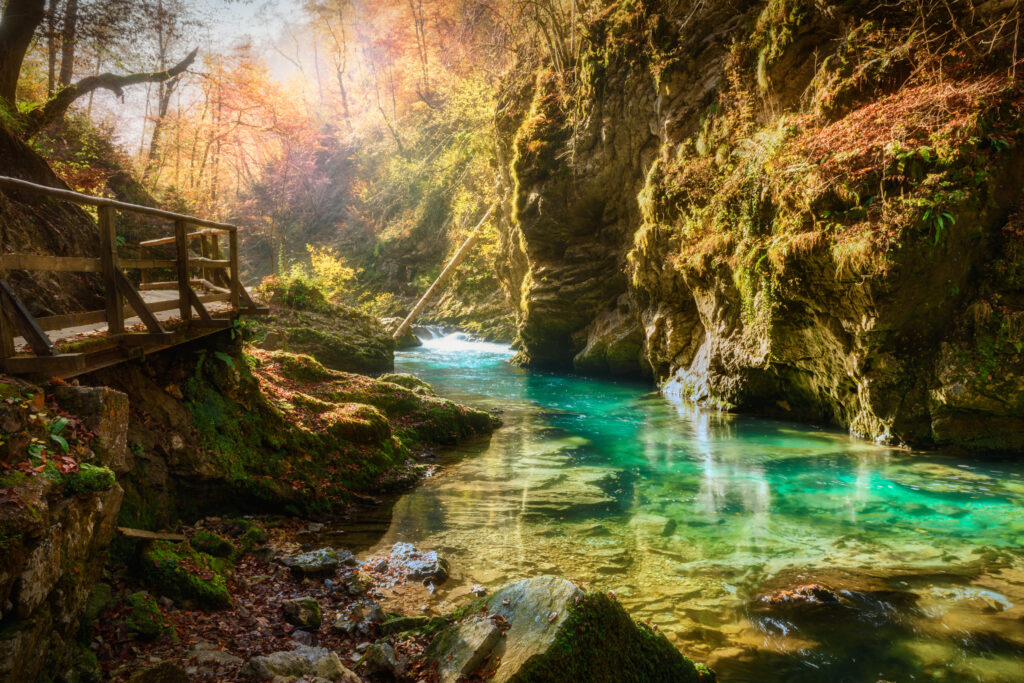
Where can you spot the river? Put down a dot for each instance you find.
(692, 517)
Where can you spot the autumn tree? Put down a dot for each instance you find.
(20, 21)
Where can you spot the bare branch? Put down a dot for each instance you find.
(55, 107)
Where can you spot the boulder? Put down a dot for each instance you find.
(302, 661)
(380, 658)
(421, 565)
(317, 562)
(556, 632)
(460, 649)
(303, 612)
(408, 340)
(164, 672)
(410, 382)
(652, 526)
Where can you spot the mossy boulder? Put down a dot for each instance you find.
(408, 340)
(183, 574)
(410, 382)
(144, 617)
(557, 632)
(303, 612)
(211, 543)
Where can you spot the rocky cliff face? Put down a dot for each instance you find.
(55, 523)
(803, 209)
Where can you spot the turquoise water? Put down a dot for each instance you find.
(692, 516)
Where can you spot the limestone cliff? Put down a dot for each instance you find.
(802, 209)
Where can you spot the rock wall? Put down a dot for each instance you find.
(801, 209)
(55, 527)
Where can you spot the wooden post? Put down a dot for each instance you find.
(184, 287)
(459, 257)
(204, 247)
(236, 280)
(6, 329)
(108, 258)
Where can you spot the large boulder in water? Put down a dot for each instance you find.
(556, 632)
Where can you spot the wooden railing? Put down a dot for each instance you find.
(218, 276)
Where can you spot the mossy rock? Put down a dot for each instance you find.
(339, 352)
(420, 624)
(358, 423)
(411, 382)
(559, 633)
(211, 543)
(302, 367)
(144, 617)
(182, 574)
(88, 478)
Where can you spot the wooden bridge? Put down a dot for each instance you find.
(202, 295)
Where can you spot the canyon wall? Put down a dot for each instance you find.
(806, 210)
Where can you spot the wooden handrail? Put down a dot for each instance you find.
(80, 198)
(218, 272)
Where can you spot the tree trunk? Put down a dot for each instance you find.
(51, 48)
(19, 23)
(67, 47)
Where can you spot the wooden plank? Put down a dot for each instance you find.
(59, 264)
(147, 263)
(16, 312)
(173, 284)
(144, 535)
(191, 236)
(209, 263)
(79, 198)
(61, 322)
(181, 240)
(236, 282)
(135, 301)
(108, 255)
(45, 365)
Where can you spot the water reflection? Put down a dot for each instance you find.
(690, 515)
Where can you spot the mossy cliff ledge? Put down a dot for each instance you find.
(59, 503)
(774, 207)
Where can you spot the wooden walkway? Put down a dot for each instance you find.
(200, 293)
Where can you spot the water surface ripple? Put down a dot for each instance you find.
(692, 517)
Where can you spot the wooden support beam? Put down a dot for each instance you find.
(47, 366)
(147, 338)
(58, 264)
(236, 282)
(213, 323)
(184, 288)
(173, 284)
(17, 313)
(108, 256)
(204, 315)
(134, 300)
(449, 269)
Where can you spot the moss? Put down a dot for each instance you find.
(411, 382)
(600, 642)
(87, 479)
(100, 599)
(144, 617)
(182, 574)
(85, 667)
(255, 535)
(419, 624)
(211, 543)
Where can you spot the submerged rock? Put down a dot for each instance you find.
(556, 633)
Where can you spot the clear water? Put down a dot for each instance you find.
(690, 516)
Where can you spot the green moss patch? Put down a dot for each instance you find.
(182, 574)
